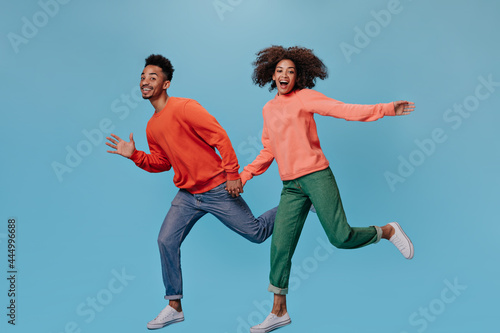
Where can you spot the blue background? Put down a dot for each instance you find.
(79, 67)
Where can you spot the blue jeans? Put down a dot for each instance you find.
(187, 209)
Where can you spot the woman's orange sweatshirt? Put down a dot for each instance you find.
(290, 136)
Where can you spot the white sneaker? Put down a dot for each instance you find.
(271, 323)
(166, 317)
(401, 241)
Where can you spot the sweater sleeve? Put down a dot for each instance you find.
(262, 162)
(316, 102)
(207, 127)
(156, 161)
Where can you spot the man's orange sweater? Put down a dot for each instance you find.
(184, 136)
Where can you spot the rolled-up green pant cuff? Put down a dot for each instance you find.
(379, 234)
(276, 290)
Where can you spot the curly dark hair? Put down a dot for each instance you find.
(308, 66)
(163, 63)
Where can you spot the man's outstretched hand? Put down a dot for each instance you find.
(234, 187)
(403, 108)
(120, 146)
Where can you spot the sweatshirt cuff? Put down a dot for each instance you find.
(135, 155)
(245, 176)
(232, 175)
(389, 109)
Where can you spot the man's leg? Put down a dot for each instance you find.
(180, 219)
(236, 215)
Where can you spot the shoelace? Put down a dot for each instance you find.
(269, 318)
(400, 244)
(163, 314)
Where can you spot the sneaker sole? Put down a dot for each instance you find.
(155, 327)
(271, 328)
(396, 224)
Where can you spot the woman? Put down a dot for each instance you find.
(289, 136)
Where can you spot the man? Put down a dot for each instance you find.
(182, 135)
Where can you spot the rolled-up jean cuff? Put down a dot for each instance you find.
(276, 290)
(379, 234)
(170, 297)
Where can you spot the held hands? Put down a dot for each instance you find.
(124, 148)
(403, 108)
(234, 187)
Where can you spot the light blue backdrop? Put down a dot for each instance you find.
(87, 221)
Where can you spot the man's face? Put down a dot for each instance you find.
(153, 82)
(285, 76)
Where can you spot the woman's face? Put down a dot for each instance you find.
(285, 75)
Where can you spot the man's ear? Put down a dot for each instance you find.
(166, 85)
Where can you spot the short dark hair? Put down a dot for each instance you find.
(307, 64)
(163, 63)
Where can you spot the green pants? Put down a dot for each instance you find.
(320, 189)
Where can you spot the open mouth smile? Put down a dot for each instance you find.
(283, 84)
